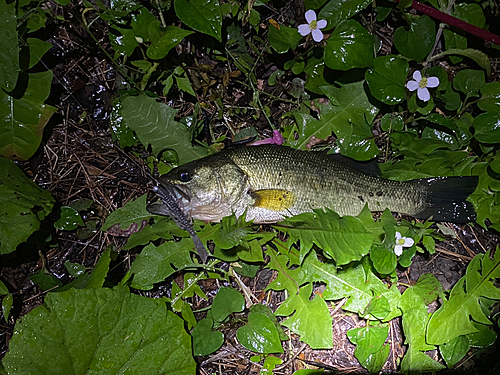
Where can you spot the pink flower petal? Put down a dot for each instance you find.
(417, 76)
(322, 24)
(310, 16)
(412, 85)
(304, 29)
(423, 94)
(317, 35)
(432, 82)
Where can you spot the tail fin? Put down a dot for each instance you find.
(447, 199)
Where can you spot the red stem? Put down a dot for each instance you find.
(453, 21)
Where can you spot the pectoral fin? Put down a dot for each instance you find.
(274, 199)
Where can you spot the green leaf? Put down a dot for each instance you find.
(70, 219)
(163, 227)
(259, 335)
(162, 43)
(487, 128)
(370, 349)
(386, 79)
(455, 350)
(226, 302)
(205, 339)
(7, 302)
(265, 310)
(23, 205)
(479, 57)
(3, 288)
(100, 331)
(418, 41)
(184, 85)
(384, 259)
(128, 219)
(232, 232)
(337, 11)
(344, 239)
(202, 15)
(123, 40)
(428, 287)
(452, 319)
(469, 81)
(22, 120)
(390, 123)
(154, 124)
(311, 319)
(9, 58)
(75, 269)
(284, 38)
(490, 97)
(314, 4)
(349, 46)
(45, 281)
(38, 48)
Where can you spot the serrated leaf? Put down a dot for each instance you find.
(232, 232)
(9, 58)
(284, 38)
(161, 228)
(288, 278)
(154, 124)
(418, 41)
(311, 319)
(23, 205)
(128, 219)
(386, 79)
(259, 335)
(344, 239)
(100, 331)
(349, 46)
(452, 319)
(202, 15)
(337, 11)
(205, 339)
(22, 120)
(226, 302)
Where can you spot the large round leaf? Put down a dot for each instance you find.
(416, 42)
(387, 79)
(487, 128)
(349, 46)
(337, 11)
(204, 16)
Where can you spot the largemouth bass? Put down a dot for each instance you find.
(271, 183)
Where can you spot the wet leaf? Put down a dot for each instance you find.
(7, 302)
(9, 58)
(38, 48)
(163, 42)
(259, 335)
(284, 38)
(490, 97)
(154, 124)
(22, 120)
(265, 310)
(102, 331)
(418, 41)
(455, 350)
(205, 339)
(75, 269)
(390, 123)
(344, 239)
(452, 319)
(487, 128)
(349, 46)
(469, 81)
(226, 302)
(370, 349)
(387, 79)
(128, 219)
(23, 205)
(336, 11)
(202, 15)
(70, 219)
(311, 319)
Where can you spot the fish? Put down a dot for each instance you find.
(270, 183)
(168, 206)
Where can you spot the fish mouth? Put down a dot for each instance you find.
(181, 193)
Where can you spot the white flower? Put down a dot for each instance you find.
(312, 26)
(402, 242)
(420, 84)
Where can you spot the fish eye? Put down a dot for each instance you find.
(184, 176)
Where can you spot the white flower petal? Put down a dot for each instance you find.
(317, 35)
(321, 24)
(304, 29)
(408, 242)
(398, 250)
(412, 85)
(432, 82)
(310, 16)
(417, 76)
(423, 94)
(398, 236)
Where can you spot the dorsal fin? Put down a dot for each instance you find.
(369, 167)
